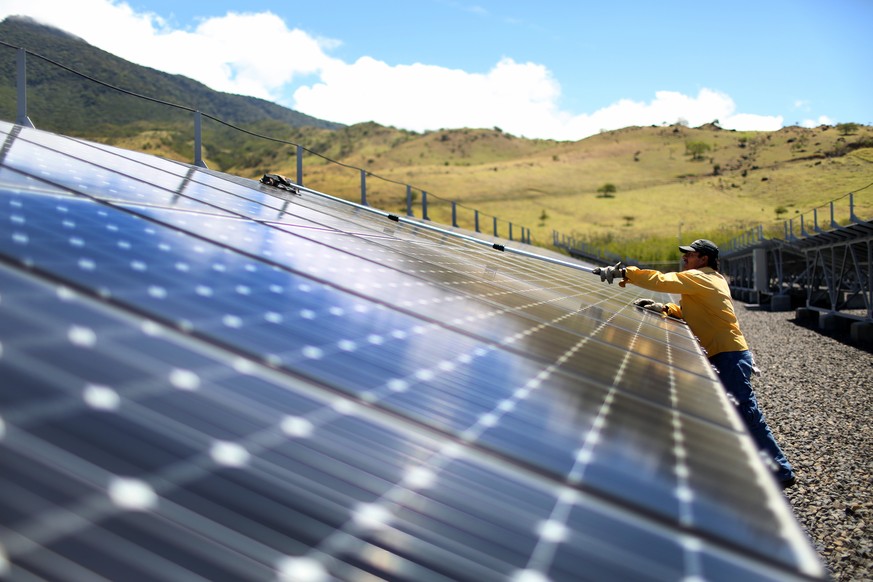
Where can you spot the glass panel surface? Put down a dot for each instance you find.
(197, 378)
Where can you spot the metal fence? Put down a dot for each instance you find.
(834, 215)
(429, 206)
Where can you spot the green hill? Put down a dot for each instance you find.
(664, 181)
(63, 101)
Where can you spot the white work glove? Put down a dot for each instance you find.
(609, 273)
(755, 369)
(651, 305)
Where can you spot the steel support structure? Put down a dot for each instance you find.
(840, 277)
(828, 271)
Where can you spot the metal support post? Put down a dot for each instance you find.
(476, 218)
(21, 82)
(299, 165)
(409, 200)
(454, 214)
(424, 205)
(869, 281)
(852, 218)
(198, 141)
(495, 226)
(363, 187)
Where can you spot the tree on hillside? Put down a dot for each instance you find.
(608, 190)
(697, 149)
(847, 128)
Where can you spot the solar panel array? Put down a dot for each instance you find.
(202, 377)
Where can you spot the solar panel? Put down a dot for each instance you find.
(206, 378)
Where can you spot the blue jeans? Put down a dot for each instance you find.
(735, 372)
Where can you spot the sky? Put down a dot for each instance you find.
(550, 69)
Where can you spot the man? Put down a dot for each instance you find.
(706, 306)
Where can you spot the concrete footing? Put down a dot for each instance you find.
(806, 315)
(862, 332)
(833, 322)
(780, 303)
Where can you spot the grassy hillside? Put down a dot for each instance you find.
(744, 179)
(698, 181)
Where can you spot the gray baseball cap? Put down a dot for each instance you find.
(702, 246)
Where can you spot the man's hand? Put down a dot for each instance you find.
(608, 274)
(651, 305)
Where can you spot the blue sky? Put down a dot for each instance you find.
(548, 69)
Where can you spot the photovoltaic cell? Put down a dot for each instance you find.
(201, 376)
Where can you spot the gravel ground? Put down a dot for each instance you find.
(817, 395)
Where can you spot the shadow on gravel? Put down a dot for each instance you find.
(841, 332)
(840, 335)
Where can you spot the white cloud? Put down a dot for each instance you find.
(520, 98)
(259, 62)
(822, 120)
(516, 97)
(751, 122)
(666, 108)
(257, 54)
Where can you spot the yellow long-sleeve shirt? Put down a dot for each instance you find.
(705, 305)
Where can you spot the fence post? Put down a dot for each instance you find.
(510, 231)
(833, 222)
(409, 200)
(476, 215)
(495, 226)
(299, 165)
(852, 218)
(363, 187)
(21, 81)
(424, 205)
(454, 214)
(815, 226)
(198, 142)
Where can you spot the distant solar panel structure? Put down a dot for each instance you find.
(202, 377)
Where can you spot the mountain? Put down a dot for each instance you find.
(75, 105)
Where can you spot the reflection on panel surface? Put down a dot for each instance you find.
(200, 377)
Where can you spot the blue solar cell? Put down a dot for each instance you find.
(246, 386)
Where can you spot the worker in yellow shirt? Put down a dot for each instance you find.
(706, 306)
